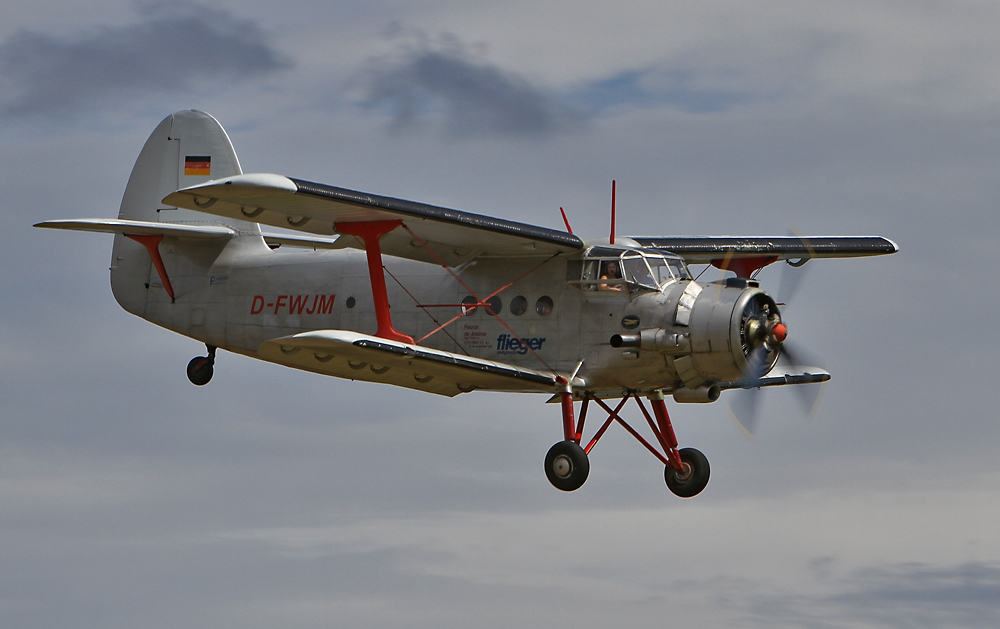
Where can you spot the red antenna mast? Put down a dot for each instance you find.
(612, 211)
(566, 220)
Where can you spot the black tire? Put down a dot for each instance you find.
(694, 479)
(567, 466)
(200, 370)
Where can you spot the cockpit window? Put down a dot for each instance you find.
(637, 272)
(678, 268)
(608, 269)
(661, 272)
(668, 269)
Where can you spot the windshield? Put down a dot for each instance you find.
(607, 269)
(637, 272)
(667, 269)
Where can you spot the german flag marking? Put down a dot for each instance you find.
(198, 165)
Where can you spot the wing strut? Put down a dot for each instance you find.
(370, 232)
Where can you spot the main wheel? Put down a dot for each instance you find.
(693, 479)
(567, 466)
(200, 370)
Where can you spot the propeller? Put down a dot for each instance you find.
(763, 333)
(764, 337)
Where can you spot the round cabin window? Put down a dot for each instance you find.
(467, 308)
(518, 306)
(544, 305)
(494, 305)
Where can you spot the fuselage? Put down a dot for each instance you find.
(238, 294)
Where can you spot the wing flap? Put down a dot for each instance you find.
(454, 236)
(373, 359)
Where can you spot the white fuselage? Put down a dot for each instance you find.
(238, 294)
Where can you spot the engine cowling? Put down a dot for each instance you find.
(734, 332)
(725, 331)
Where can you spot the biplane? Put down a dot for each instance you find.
(373, 288)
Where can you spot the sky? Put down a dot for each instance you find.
(273, 497)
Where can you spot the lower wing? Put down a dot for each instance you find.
(362, 357)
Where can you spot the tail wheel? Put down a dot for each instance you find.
(567, 466)
(200, 370)
(693, 478)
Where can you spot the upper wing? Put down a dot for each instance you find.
(706, 249)
(452, 235)
(362, 357)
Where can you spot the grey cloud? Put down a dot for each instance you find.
(674, 89)
(168, 49)
(715, 78)
(892, 595)
(918, 595)
(474, 97)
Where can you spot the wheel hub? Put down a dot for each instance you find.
(562, 466)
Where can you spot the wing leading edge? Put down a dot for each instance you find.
(708, 249)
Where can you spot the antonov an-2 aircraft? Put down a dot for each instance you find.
(384, 290)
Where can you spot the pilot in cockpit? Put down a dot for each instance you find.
(610, 272)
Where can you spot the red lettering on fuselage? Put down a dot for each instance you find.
(294, 304)
(278, 304)
(298, 303)
(323, 306)
(257, 305)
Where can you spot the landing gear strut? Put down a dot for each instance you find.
(200, 369)
(567, 464)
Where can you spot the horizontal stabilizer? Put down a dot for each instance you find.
(142, 228)
(705, 249)
(374, 359)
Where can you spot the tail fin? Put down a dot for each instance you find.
(186, 148)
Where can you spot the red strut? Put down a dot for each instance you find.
(667, 432)
(612, 211)
(569, 424)
(370, 232)
(152, 245)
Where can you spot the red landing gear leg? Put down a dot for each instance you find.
(667, 437)
(687, 470)
(569, 424)
(566, 464)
